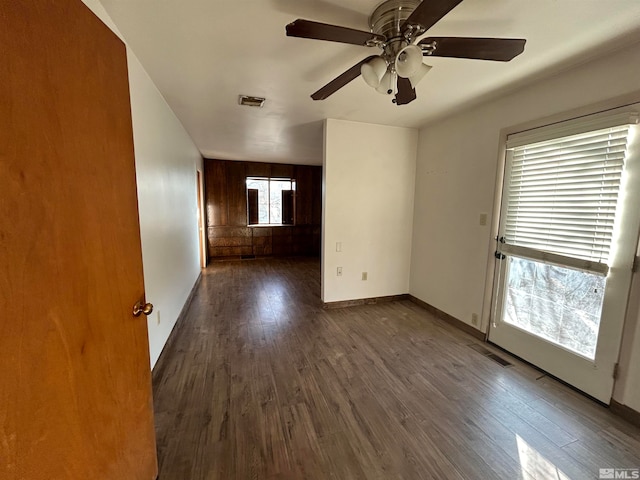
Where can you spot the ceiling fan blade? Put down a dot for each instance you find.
(498, 49)
(429, 12)
(332, 33)
(406, 93)
(340, 81)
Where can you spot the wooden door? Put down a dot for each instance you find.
(75, 387)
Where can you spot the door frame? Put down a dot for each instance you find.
(201, 219)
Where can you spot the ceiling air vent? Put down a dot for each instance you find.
(251, 101)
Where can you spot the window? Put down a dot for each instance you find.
(270, 201)
(563, 193)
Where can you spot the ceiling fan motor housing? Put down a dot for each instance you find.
(387, 19)
(389, 16)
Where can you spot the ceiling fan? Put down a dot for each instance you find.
(395, 26)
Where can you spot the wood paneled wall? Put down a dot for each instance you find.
(226, 201)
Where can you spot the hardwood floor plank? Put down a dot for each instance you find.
(261, 382)
(596, 458)
(341, 462)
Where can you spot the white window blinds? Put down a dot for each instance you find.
(562, 194)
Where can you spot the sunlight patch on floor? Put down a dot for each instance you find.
(533, 464)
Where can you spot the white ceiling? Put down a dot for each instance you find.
(203, 53)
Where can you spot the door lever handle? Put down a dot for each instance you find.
(139, 308)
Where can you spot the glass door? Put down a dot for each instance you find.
(568, 233)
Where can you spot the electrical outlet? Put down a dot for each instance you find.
(338, 246)
(474, 319)
(364, 275)
(483, 219)
(339, 271)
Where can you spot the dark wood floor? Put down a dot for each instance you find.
(262, 383)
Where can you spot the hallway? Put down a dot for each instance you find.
(261, 382)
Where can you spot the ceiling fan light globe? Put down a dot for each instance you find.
(385, 87)
(373, 71)
(408, 61)
(423, 69)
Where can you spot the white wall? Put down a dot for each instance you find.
(456, 180)
(166, 164)
(368, 207)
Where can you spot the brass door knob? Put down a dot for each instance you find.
(140, 308)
